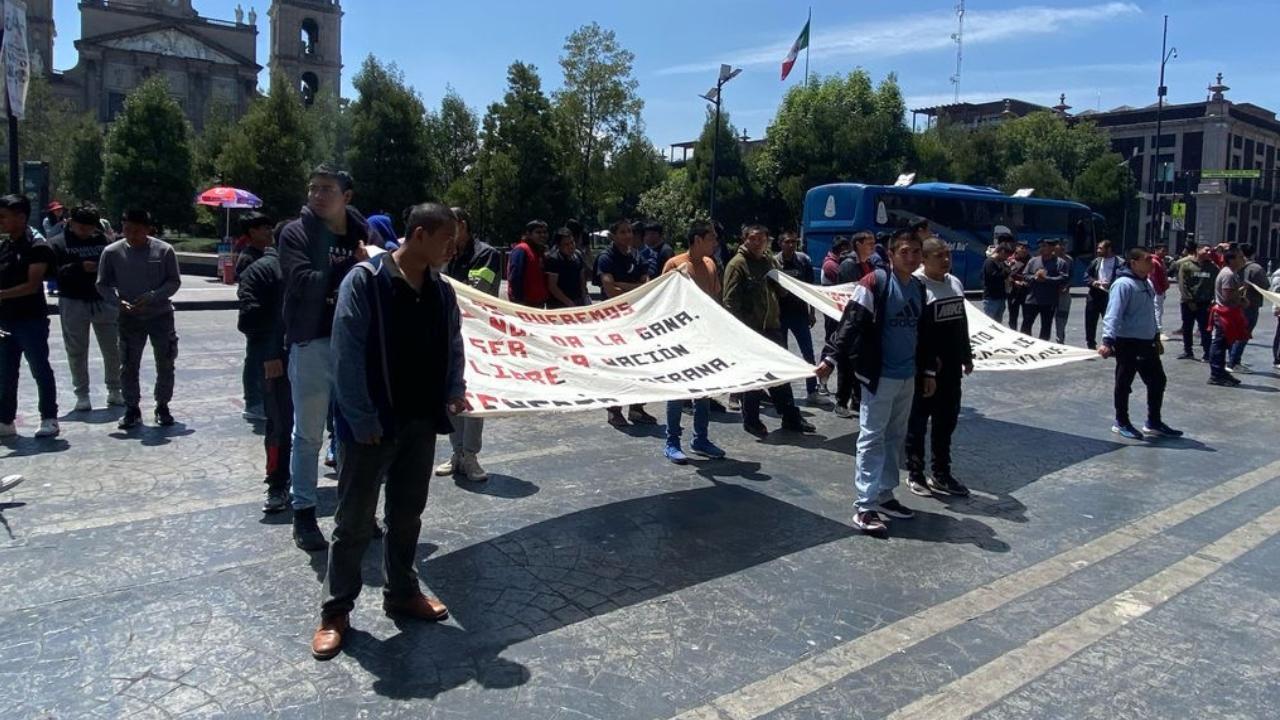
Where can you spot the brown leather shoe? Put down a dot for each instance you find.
(418, 607)
(328, 638)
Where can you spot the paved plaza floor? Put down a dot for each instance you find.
(1087, 576)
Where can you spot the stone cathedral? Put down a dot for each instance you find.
(123, 42)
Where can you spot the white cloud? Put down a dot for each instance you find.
(919, 33)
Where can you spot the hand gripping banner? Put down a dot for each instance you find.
(995, 347)
(667, 340)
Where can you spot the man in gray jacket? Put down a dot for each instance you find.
(1252, 274)
(398, 357)
(140, 274)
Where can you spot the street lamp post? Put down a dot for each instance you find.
(1166, 53)
(712, 96)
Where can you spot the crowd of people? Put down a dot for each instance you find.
(351, 329)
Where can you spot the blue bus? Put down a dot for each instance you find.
(965, 216)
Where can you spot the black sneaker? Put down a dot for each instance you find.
(895, 509)
(757, 429)
(276, 501)
(306, 533)
(1187, 356)
(798, 424)
(616, 419)
(869, 522)
(1159, 429)
(163, 417)
(132, 419)
(638, 416)
(946, 484)
(1223, 381)
(918, 485)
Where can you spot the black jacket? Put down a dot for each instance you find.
(74, 281)
(859, 339)
(1099, 296)
(261, 294)
(313, 272)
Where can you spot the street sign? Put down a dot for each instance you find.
(1231, 174)
(1179, 211)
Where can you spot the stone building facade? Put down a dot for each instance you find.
(203, 60)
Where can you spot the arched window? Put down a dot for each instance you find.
(310, 36)
(1231, 232)
(309, 88)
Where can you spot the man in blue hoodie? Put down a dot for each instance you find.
(316, 252)
(398, 364)
(1131, 334)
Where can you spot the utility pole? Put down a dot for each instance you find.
(1166, 54)
(712, 96)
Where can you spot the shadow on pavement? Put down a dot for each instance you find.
(553, 574)
(1016, 455)
(935, 527)
(29, 446)
(501, 486)
(730, 468)
(100, 416)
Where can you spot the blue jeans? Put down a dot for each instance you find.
(256, 347)
(1237, 349)
(882, 431)
(311, 377)
(1218, 351)
(701, 420)
(994, 309)
(798, 325)
(29, 338)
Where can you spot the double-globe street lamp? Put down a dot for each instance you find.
(712, 96)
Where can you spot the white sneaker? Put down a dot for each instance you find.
(115, 398)
(48, 429)
(449, 467)
(8, 430)
(9, 482)
(471, 468)
(83, 403)
(1241, 369)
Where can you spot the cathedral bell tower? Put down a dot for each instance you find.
(306, 45)
(40, 34)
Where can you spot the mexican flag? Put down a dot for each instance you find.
(801, 43)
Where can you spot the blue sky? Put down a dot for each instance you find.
(1100, 53)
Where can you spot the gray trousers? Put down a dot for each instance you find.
(135, 332)
(467, 436)
(405, 461)
(77, 317)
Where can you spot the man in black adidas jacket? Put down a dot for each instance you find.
(886, 337)
(261, 295)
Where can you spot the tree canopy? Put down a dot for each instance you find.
(147, 159)
(269, 149)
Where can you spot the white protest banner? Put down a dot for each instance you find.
(1273, 297)
(995, 347)
(666, 340)
(17, 61)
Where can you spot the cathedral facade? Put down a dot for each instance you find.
(204, 61)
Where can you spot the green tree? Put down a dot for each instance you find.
(330, 127)
(734, 196)
(147, 157)
(975, 155)
(1039, 174)
(597, 106)
(634, 169)
(517, 175)
(43, 132)
(82, 178)
(671, 204)
(389, 155)
(1046, 136)
(837, 129)
(268, 152)
(931, 156)
(455, 137)
(219, 125)
(1107, 186)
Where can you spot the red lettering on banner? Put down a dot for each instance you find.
(579, 360)
(505, 328)
(500, 348)
(545, 376)
(568, 341)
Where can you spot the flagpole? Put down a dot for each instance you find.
(808, 24)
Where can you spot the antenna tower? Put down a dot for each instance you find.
(958, 36)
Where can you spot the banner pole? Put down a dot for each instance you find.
(807, 45)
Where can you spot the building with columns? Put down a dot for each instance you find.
(1217, 159)
(204, 60)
